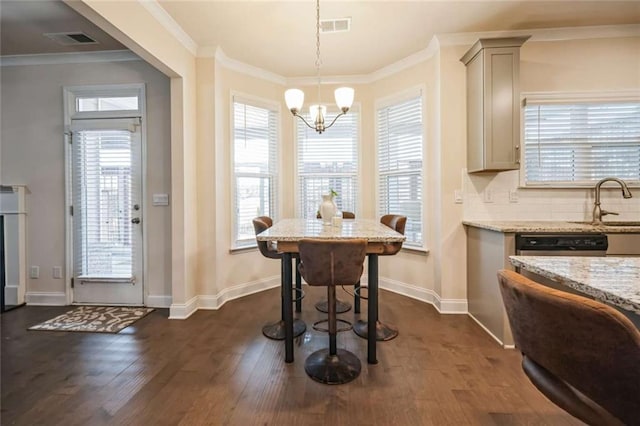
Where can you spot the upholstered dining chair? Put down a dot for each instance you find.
(330, 263)
(341, 305)
(383, 331)
(580, 353)
(276, 330)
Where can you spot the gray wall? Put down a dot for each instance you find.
(32, 154)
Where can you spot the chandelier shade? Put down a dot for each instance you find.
(294, 98)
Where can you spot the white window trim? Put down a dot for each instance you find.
(237, 96)
(355, 109)
(560, 97)
(70, 93)
(385, 101)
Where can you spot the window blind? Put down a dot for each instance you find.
(328, 161)
(572, 143)
(255, 138)
(400, 134)
(104, 246)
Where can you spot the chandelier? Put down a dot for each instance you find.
(295, 97)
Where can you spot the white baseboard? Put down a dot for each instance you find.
(491, 334)
(443, 306)
(450, 306)
(407, 290)
(213, 302)
(11, 294)
(159, 301)
(183, 310)
(237, 291)
(42, 298)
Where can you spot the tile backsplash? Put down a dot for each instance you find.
(496, 196)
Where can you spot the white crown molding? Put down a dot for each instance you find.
(425, 54)
(545, 34)
(452, 39)
(163, 17)
(242, 67)
(69, 58)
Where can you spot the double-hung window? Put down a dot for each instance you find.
(573, 139)
(328, 161)
(255, 166)
(400, 136)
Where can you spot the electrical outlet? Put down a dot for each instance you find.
(34, 272)
(488, 195)
(513, 195)
(57, 272)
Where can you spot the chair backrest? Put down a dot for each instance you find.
(262, 223)
(345, 215)
(326, 262)
(396, 222)
(582, 342)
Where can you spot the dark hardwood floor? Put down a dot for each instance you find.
(216, 368)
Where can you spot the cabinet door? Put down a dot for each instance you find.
(475, 114)
(501, 109)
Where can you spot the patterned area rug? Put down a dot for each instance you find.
(95, 319)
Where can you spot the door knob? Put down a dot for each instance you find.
(135, 220)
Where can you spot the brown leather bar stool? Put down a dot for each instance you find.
(329, 263)
(276, 330)
(581, 354)
(341, 306)
(384, 332)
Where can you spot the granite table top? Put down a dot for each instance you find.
(615, 280)
(296, 229)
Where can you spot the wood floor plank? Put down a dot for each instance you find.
(216, 368)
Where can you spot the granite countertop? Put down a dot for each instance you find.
(551, 226)
(615, 280)
(296, 229)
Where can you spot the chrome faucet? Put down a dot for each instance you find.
(597, 211)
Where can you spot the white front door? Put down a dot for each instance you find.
(107, 211)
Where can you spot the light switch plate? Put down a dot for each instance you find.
(513, 195)
(457, 196)
(34, 272)
(160, 199)
(488, 195)
(57, 272)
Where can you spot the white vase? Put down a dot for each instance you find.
(327, 209)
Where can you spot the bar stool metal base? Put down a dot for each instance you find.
(384, 332)
(341, 307)
(332, 369)
(275, 331)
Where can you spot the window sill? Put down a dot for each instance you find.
(240, 250)
(423, 251)
(630, 184)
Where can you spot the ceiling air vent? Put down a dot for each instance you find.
(337, 25)
(68, 39)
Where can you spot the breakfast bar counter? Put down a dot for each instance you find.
(613, 280)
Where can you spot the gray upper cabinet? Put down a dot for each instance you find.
(493, 109)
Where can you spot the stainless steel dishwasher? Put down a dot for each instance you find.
(559, 245)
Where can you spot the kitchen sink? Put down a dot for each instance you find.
(612, 223)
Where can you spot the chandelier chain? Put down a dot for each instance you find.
(318, 60)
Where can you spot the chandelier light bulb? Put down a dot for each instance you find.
(344, 98)
(294, 99)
